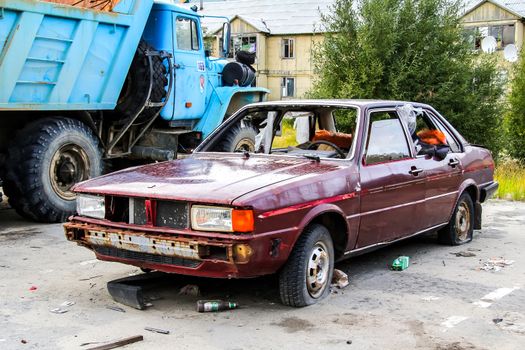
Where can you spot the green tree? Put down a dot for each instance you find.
(413, 50)
(515, 120)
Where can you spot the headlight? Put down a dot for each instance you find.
(219, 219)
(92, 206)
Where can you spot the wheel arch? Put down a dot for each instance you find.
(333, 218)
(470, 187)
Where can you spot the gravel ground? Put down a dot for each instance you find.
(440, 302)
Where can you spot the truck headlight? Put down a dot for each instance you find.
(220, 219)
(92, 206)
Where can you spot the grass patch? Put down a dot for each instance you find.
(511, 177)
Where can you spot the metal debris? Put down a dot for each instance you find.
(118, 343)
(157, 330)
(340, 279)
(115, 308)
(464, 254)
(59, 310)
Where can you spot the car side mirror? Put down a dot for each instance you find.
(226, 37)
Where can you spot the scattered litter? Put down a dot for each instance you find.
(497, 320)
(349, 342)
(115, 308)
(35, 247)
(190, 289)
(90, 278)
(32, 288)
(430, 298)
(512, 322)
(157, 330)
(67, 303)
(118, 343)
(87, 262)
(340, 279)
(443, 261)
(23, 341)
(59, 310)
(452, 321)
(474, 250)
(464, 254)
(215, 305)
(401, 263)
(495, 264)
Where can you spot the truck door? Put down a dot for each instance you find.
(190, 68)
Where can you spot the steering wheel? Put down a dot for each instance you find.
(328, 143)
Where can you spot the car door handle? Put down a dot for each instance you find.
(453, 162)
(415, 171)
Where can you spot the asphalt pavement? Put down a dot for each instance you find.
(442, 301)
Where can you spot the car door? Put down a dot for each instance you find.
(392, 181)
(190, 68)
(443, 176)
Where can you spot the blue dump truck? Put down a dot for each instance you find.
(89, 86)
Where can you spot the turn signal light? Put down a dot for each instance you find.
(242, 220)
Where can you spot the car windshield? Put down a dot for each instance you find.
(319, 132)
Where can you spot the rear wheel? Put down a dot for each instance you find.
(44, 161)
(460, 229)
(306, 276)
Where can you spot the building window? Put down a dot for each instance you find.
(504, 35)
(287, 87)
(187, 34)
(288, 48)
(242, 43)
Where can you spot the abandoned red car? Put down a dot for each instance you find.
(310, 182)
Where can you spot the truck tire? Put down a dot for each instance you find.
(135, 89)
(305, 278)
(238, 139)
(44, 161)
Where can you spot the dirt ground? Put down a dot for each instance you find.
(440, 302)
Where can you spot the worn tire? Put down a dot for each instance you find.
(238, 138)
(293, 278)
(62, 146)
(135, 89)
(460, 229)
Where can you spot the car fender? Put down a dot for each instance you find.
(316, 212)
(466, 183)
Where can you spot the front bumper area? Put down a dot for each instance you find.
(220, 258)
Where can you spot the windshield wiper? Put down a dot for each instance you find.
(312, 157)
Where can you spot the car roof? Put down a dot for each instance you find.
(363, 103)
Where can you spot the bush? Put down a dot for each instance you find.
(411, 50)
(515, 120)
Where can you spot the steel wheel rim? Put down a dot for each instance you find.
(317, 270)
(462, 221)
(245, 144)
(69, 165)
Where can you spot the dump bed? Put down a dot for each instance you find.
(67, 54)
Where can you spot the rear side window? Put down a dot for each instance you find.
(187, 34)
(386, 140)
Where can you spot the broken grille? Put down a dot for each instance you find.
(145, 257)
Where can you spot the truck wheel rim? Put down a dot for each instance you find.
(69, 165)
(318, 270)
(245, 144)
(462, 221)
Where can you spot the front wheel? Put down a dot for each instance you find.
(460, 228)
(44, 161)
(306, 276)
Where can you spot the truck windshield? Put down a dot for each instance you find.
(323, 132)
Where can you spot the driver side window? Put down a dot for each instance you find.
(386, 140)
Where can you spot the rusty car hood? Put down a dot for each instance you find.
(205, 177)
